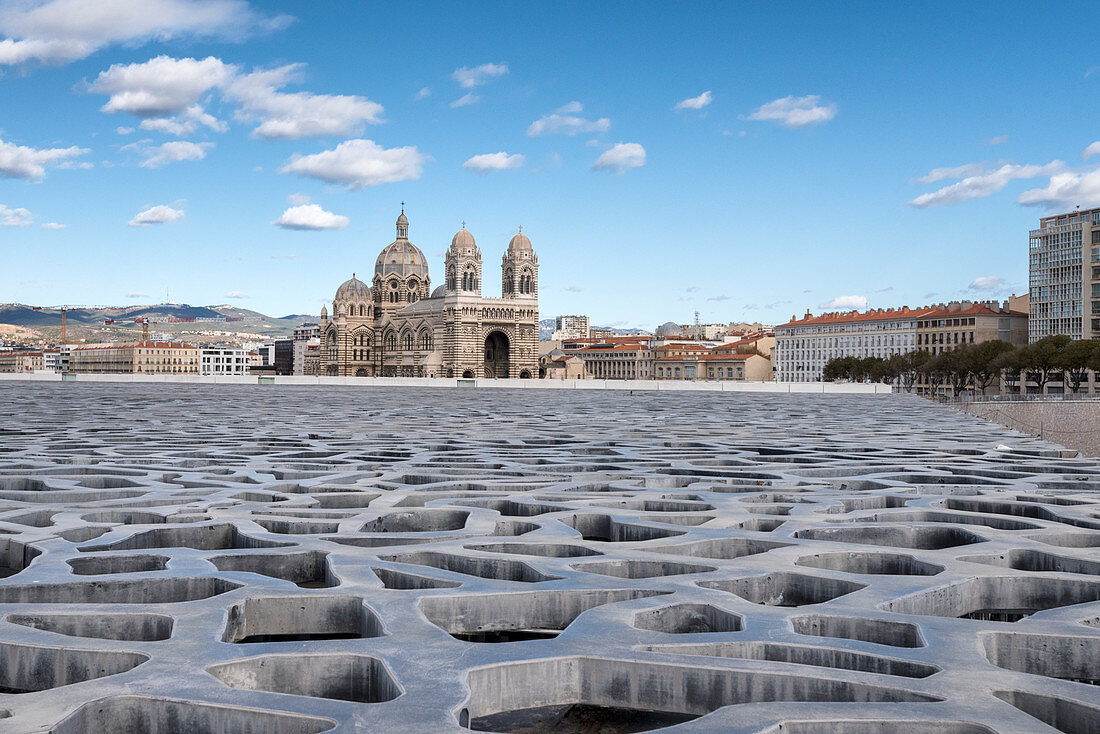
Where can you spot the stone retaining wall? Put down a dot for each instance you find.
(1075, 425)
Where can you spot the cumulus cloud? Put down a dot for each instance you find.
(980, 185)
(694, 103)
(470, 77)
(851, 303)
(620, 158)
(291, 116)
(424, 93)
(467, 99)
(61, 31)
(185, 123)
(1090, 151)
(15, 217)
(137, 294)
(160, 86)
(359, 163)
(172, 152)
(986, 283)
(564, 121)
(52, 225)
(298, 199)
(487, 162)
(159, 214)
(234, 294)
(997, 140)
(310, 217)
(1065, 190)
(796, 111)
(952, 172)
(20, 161)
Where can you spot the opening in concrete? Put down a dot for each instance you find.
(339, 500)
(297, 527)
(1069, 657)
(876, 631)
(403, 580)
(15, 556)
(95, 565)
(27, 668)
(417, 521)
(486, 568)
(1069, 540)
(918, 537)
(341, 676)
(997, 599)
(130, 627)
(1026, 559)
(785, 589)
(118, 591)
(631, 569)
(723, 548)
(1063, 714)
(878, 726)
(309, 570)
(548, 550)
(629, 693)
(520, 615)
(909, 516)
(609, 530)
(888, 564)
(167, 716)
(198, 537)
(300, 618)
(689, 619)
(812, 655)
(124, 517)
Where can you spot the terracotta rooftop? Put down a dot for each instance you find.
(878, 314)
(143, 345)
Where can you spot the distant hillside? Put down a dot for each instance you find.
(89, 324)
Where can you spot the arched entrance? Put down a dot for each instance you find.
(496, 354)
(468, 374)
(525, 375)
(361, 372)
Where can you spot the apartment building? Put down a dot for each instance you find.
(146, 357)
(21, 361)
(1064, 276)
(571, 327)
(966, 322)
(224, 361)
(613, 359)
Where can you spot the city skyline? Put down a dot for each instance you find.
(747, 161)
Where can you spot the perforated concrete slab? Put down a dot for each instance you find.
(246, 559)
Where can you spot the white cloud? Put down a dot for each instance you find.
(796, 111)
(15, 217)
(284, 257)
(986, 283)
(470, 77)
(1090, 151)
(124, 130)
(424, 93)
(159, 214)
(234, 294)
(19, 161)
(997, 140)
(160, 86)
(53, 225)
(695, 103)
(61, 31)
(171, 152)
(298, 199)
(620, 158)
(1065, 190)
(487, 162)
(137, 294)
(850, 303)
(564, 120)
(983, 184)
(185, 123)
(292, 116)
(467, 99)
(310, 217)
(943, 174)
(359, 164)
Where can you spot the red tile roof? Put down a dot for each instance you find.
(879, 314)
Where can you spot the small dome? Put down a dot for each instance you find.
(463, 238)
(403, 259)
(669, 329)
(520, 242)
(353, 290)
(402, 219)
(439, 292)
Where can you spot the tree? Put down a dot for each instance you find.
(1074, 361)
(956, 366)
(838, 368)
(1043, 358)
(910, 367)
(984, 368)
(935, 372)
(885, 371)
(1010, 365)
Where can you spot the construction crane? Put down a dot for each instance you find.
(145, 321)
(64, 310)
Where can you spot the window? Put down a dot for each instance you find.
(408, 342)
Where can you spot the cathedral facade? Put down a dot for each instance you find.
(397, 326)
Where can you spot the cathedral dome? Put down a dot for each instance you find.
(520, 242)
(439, 292)
(353, 290)
(669, 329)
(463, 238)
(402, 259)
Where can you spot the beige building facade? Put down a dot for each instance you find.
(22, 361)
(398, 326)
(147, 357)
(966, 322)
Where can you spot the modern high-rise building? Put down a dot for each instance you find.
(571, 327)
(1064, 269)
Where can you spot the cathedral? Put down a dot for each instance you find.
(399, 327)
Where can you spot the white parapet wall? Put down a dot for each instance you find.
(677, 385)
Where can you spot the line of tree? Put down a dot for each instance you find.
(978, 366)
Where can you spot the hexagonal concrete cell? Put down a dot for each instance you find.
(877, 631)
(546, 550)
(26, 668)
(878, 726)
(341, 676)
(127, 713)
(922, 537)
(309, 569)
(519, 616)
(1068, 657)
(686, 618)
(487, 568)
(417, 521)
(135, 627)
(200, 537)
(886, 564)
(118, 591)
(96, 565)
(1028, 559)
(634, 569)
(297, 618)
(1063, 714)
(720, 548)
(643, 695)
(998, 599)
(609, 530)
(785, 589)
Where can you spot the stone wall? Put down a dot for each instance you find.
(1073, 424)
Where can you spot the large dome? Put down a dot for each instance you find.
(439, 292)
(463, 238)
(402, 259)
(669, 329)
(353, 290)
(520, 242)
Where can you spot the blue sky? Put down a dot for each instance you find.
(257, 153)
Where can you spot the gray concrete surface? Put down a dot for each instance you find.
(1073, 423)
(239, 559)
